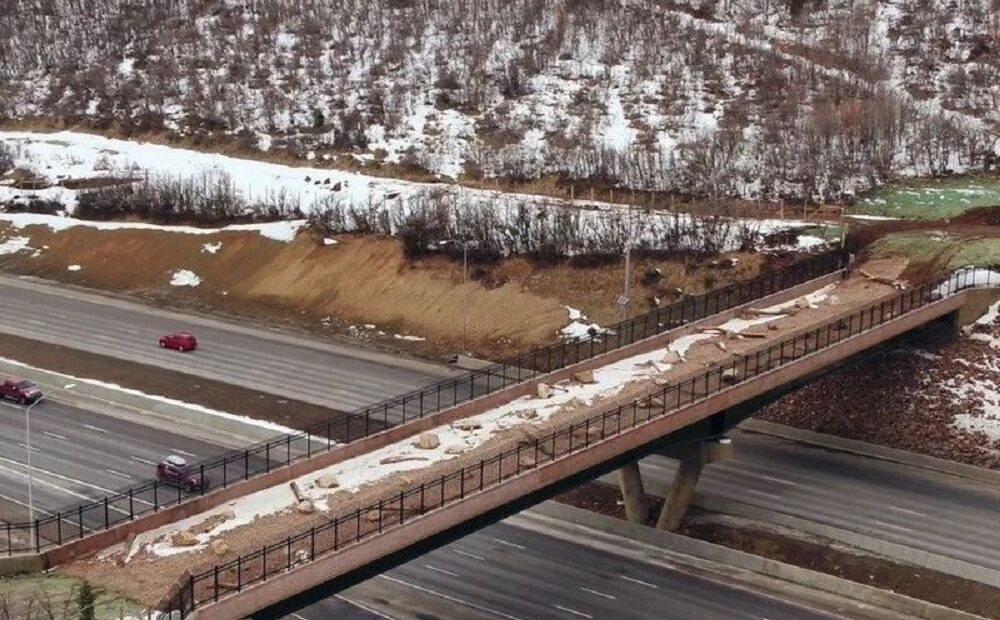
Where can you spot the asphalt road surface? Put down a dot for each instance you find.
(942, 514)
(513, 573)
(77, 455)
(325, 374)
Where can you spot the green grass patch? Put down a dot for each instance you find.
(940, 249)
(931, 199)
(46, 596)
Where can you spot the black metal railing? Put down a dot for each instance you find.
(80, 520)
(417, 500)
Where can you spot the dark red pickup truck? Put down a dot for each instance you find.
(20, 390)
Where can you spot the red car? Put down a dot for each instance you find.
(20, 390)
(182, 341)
(175, 471)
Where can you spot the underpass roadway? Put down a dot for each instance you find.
(530, 567)
(927, 510)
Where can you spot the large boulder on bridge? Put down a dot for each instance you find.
(183, 538)
(543, 390)
(327, 481)
(584, 376)
(427, 441)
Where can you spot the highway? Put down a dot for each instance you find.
(78, 455)
(516, 570)
(321, 373)
(946, 515)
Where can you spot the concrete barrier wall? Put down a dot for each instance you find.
(285, 585)
(17, 564)
(284, 475)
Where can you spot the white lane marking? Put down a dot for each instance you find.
(142, 460)
(46, 483)
(14, 407)
(179, 451)
(640, 582)
(453, 599)
(778, 480)
(359, 605)
(440, 570)
(763, 494)
(118, 473)
(908, 511)
(596, 593)
(55, 435)
(25, 504)
(95, 428)
(893, 526)
(572, 611)
(27, 447)
(469, 555)
(38, 470)
(508, 543)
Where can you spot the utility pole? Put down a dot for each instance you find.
(465, 310)
(27, 446)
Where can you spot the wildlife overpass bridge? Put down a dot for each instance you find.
(699, 404)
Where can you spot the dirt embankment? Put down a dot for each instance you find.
(359, 280)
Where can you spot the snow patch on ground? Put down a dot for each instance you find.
(408, 338)
(211, 248)
(14, 245)
(74, 268)
(579, 326)
(185, 277)
(278, 231)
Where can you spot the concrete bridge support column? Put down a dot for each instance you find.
(693, 457)
(633, 493)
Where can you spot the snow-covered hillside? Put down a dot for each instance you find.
(756, 98)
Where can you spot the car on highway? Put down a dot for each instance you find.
(182, 341)
(175, 471)
(20, 390)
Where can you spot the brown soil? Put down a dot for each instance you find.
(153, 380)
(820, 556)
(510, 306)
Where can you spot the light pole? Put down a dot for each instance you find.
(27, 445)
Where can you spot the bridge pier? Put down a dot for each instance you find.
(693, 457)
(633, 493)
